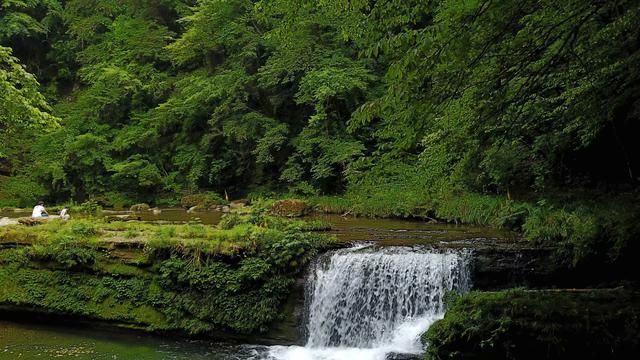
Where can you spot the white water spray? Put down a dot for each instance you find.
(367, 303)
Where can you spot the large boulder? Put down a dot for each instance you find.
(140, 207)
(201, 200)
(290, 208)
(126, 217)
(238, 204)
(399, 356)
(29, 221)
(8, 221)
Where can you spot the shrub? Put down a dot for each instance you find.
(290, 208)
(89, 207)
(83, 229)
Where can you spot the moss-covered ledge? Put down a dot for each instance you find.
(538, 324)
(234, 280)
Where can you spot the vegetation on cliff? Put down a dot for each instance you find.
(187, 278)
(540, 324)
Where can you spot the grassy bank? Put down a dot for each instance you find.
(522, 324)
(234, 279)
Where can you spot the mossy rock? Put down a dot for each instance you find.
(201, 200)
(112, 218)
(290, 208)
(538, 324)
(140, 207)
(29, 221)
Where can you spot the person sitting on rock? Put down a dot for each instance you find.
(64, 214)
(39, 211)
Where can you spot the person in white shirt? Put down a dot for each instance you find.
(64, 214)
(39, 211)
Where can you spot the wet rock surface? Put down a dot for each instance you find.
(397, 356)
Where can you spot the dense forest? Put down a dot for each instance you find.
(521, 115)
(129, 100)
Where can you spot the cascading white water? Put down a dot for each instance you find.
(365, 303)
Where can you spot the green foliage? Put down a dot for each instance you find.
(498, 94)
(407, 108)
(482, 210)
(605, 229)
(521, 324)
(89, 207)
(115, 200)
(84, 229)
(23, 107)
(193, 282)
(65, 252)
(21, 191)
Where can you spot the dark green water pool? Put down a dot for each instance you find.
(38, 341)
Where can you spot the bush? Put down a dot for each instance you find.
(83, 229)
(89, 207)
(290, 208)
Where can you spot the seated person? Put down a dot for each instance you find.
(39, 211)
(64, 214)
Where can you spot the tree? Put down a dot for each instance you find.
(22, 106)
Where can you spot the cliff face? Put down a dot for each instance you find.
(236, 283)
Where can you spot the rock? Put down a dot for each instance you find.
(156, 211)
(139, 207)
(290, 208)
(398, 356)
(238, 204)
(29, 221)
(196, 208)
(8, 221)
(111, 218)
(204, 200)
(226, 209)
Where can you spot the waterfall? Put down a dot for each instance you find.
(365, 303)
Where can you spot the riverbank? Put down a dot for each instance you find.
(230, 281)
(587, 229)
